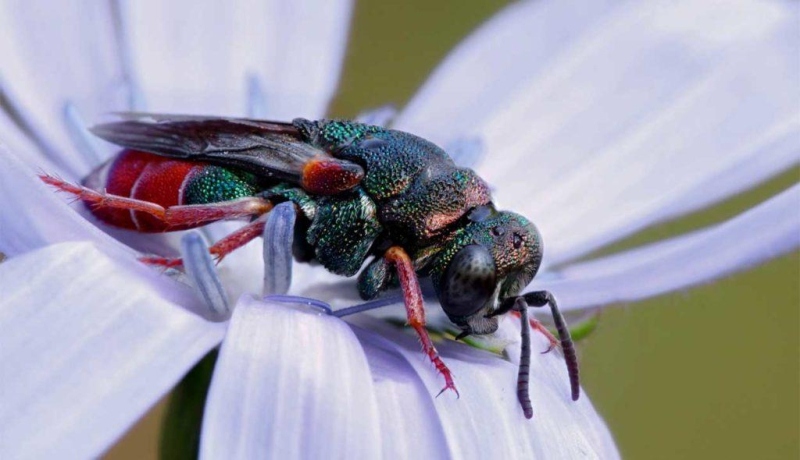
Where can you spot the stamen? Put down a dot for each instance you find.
(203, 272)
(256, 99)
(278, 240)
(326, 308)
(380, 116)
(467, 152)
(371, 305)
(85, 142)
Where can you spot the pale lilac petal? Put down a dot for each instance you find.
(86, 348)
(764, 232)
(14, 139)
(290, 383)
(630, 114)
(655, 171)
(653, 121)
(489, 68)
(33, 215)
(71, 58)
(487, 422)
(405, 407)
(207, 56)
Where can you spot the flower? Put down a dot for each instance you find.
(627, 114)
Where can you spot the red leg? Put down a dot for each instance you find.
(537, 326)
(174, 216)
(101, 199)
(221, 248)
(415, 309)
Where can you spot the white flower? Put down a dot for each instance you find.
(597, 120)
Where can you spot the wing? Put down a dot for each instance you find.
(266, 148)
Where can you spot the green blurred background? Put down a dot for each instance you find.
(713, 372)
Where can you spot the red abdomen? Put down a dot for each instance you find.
(146, 177)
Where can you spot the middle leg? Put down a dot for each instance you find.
(221, 248)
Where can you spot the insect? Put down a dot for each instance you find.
(365, 194)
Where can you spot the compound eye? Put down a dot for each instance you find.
(469, 282)
(517, 241)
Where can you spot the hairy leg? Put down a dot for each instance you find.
(221, 248)
(415, 310)
(173, 216)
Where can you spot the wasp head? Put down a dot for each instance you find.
(492, 258)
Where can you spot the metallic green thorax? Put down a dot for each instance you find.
(418, 189)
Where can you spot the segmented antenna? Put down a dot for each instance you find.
(525, 359)
(567, 346)
(539, 299)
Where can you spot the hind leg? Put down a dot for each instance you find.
(173, 216)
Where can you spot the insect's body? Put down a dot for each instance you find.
(362, 192)
(411, 194)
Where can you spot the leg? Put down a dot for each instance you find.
(537, 326)
(221, 248)
(412, 296)
(173, 216)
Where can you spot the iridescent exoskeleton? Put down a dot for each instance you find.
(365, 194)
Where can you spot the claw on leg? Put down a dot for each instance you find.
(415, 311)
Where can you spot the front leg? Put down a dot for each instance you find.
(415, 310)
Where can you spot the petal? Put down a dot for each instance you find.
(90, 347)
(499, 58)
(654, 171)
(405, 407)
(14, 139)
(203, 57)
(72, 58)
(289, 384)
(764, 232)
(34, 216)
(487, 422)
(631, 114)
